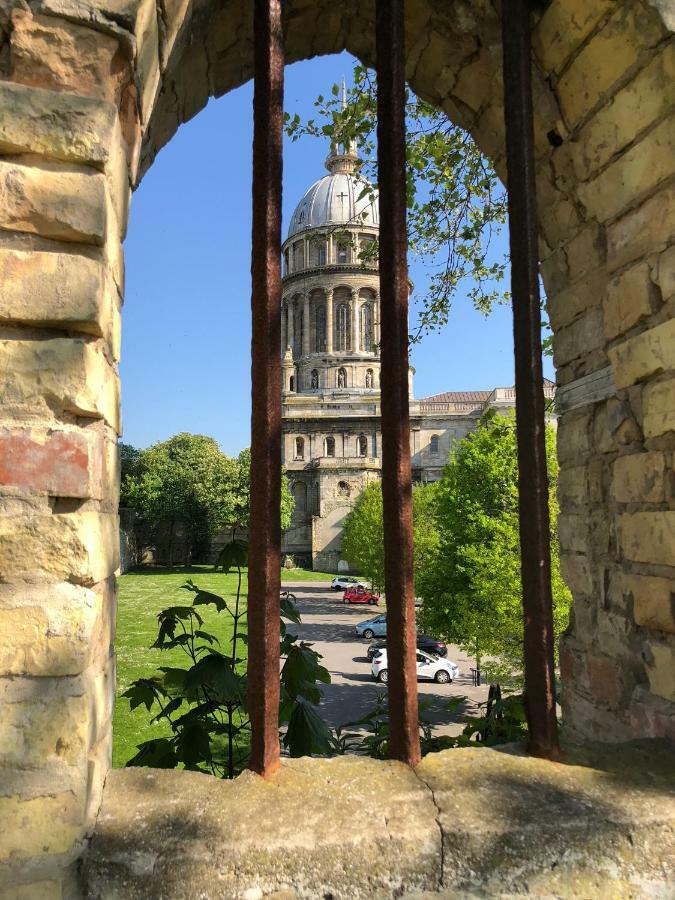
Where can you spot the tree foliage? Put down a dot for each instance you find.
(363, 542)
(471, 587)
(187, 482)
(455, 200)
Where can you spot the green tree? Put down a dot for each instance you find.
(471, 585)
(455, 200)
(188, 484)
(363, 542)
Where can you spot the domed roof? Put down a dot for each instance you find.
(334, 200)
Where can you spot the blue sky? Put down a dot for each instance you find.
(186, 332)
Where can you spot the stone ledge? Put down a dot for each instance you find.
(600, 824)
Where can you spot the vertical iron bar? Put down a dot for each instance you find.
(535, 549)
(396, 476)
(264, 580)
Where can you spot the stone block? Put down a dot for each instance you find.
(658, 407)
(640, 478)
(653, 602)
(82, 548)
(579, 338)
(175, 17)
(586, 294)
(636, 173)
(597, 68)
(56, 125)
(630, 298)
(42, 722)
(573, 437)
(648, 537)
(56, 630)
(52, 289)
(634, 108)
(61, 463)
(53, 203)
(647, 229)
(69, 374)
(573, 486)
(563, 28)
(40, 827)
(607, 677)
(661, 671)
(622, 422)
(577, 573)
(52, 53)
(586, 251)
(573, 533)
(649, 353)
(665, 273)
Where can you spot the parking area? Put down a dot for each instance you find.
(329, 625)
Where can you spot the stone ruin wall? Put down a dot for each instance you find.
(90, 90)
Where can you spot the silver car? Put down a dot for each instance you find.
(345, 582)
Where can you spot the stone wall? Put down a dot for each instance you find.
(90, 92)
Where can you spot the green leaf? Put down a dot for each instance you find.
(158, 754)
(145, 691)
(307, 733)
(170, 707)
(233, 556)
(215, 673)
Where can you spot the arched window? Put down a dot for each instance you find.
(343, 489)
(362, 445)
(433, 445)
(299, 448)
(320, 253)
(342, 253)
(330, 446)
(315, 498)
(320, 329)
(315, 379)
(370, 378)
(298, 255)
(299, 491)
(286, 262)
(342, 378)
(291, 383)
(366, 327)
(343, 337)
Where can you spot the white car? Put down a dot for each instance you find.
(439, 670)
(345, 582)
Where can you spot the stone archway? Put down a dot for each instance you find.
(91, 93)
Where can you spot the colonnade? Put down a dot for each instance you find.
(356, 304)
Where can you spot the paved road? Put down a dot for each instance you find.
(329, 625)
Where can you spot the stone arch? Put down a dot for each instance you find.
(329, 446)
(299, 447)
(95, 118)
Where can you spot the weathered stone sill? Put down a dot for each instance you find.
(471, 822)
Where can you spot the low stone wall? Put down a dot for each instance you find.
(470, 822)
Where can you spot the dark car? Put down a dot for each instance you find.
(424, 642)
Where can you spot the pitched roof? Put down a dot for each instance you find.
(458, 397)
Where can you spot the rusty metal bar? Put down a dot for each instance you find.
(535, 548)
(396, 475)
(264, 580)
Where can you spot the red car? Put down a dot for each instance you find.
(360, 595)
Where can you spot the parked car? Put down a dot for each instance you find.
(360, 595)
(345, 582)
(442, 671)
(424, 642)
(371, 628)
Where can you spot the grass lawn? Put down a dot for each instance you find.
(142, 594)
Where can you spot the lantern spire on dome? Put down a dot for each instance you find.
(343, 157)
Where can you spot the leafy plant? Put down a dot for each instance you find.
(204, 703)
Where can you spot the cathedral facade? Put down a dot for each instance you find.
(331, 440)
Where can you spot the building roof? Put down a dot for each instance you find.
(472, 396)
(334, 200)
(458, 397)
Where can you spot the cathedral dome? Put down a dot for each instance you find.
(334, 200)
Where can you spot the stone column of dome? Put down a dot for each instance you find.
(355, 319)
(329, 320)
(284, 332)
(291, 325)
(305, 325)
